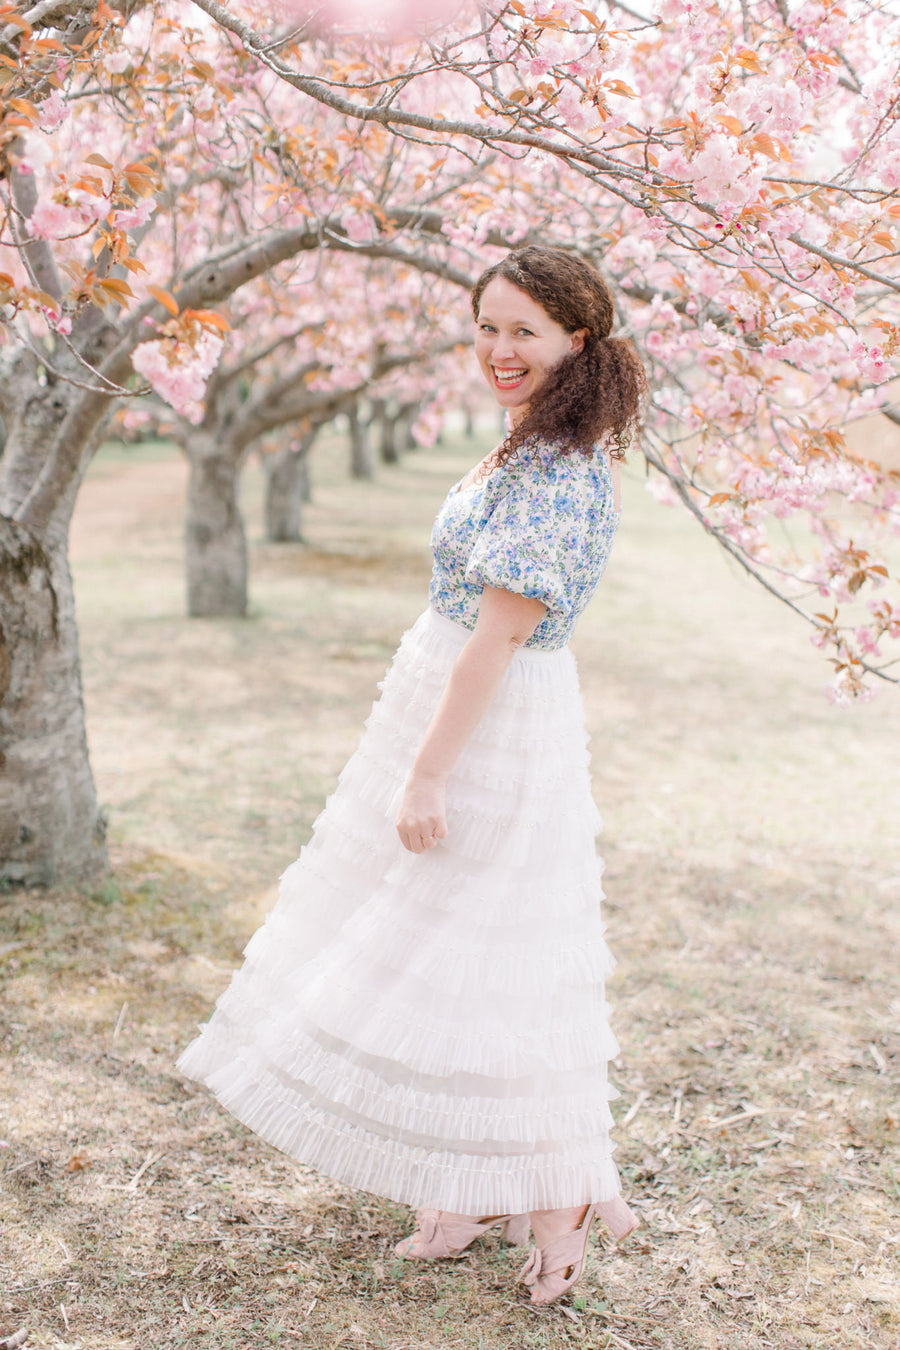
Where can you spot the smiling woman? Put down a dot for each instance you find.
(518, 344)
(543, 318)
(423, 1013)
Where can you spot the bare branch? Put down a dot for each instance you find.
(729, 547)
(837, 261)
(37, 253)
(386, 114)
(267, 414)
(257, 355)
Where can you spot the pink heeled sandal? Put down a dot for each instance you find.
(551, 1270)
(439, 1234)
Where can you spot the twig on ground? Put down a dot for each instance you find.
(878, 1058)
(150, 1159)
(634, 1107)
(120, 1020)
(737, 1119)
(15, 1340)
(32, 1162)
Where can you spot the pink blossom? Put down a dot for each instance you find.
(360, 228)
(428, 425)
(573, 111)
(396, 18)
(52, 220)
(53, 111)
(845, 690)
(655, 229)
(837, 693)
(866, 639)
(135, 217)
(661, 489)
(118, 62)
(178, 372)
(676, 11)
(32, 154)
(723, 174)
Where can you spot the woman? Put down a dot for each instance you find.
(422, 1014)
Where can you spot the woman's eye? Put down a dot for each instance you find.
(526, 332)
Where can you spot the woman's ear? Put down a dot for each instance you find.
(576, 340)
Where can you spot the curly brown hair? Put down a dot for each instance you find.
(593, 396)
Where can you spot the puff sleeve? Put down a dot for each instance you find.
(534, 539)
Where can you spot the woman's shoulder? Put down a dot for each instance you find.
(545, 462)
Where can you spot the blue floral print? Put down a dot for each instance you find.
(541, 525)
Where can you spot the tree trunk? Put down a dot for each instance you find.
(362, 463)
(215, 540)
(50, 825)
(287, 488)
(387, 445)
(409, 435)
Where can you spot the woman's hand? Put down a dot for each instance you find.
(422, 819)
(505, 621)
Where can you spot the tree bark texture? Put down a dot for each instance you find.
(409, 437)
(50, 825)
(362, 461)
(387, 444)
(287, 488)
(215, 539)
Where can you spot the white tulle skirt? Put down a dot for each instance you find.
(432, 1027)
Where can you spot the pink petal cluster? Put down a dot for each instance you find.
(178, 372)
(134, 218)
(395, 18)
(53, 111)
(53, 220)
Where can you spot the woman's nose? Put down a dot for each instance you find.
(503, 346)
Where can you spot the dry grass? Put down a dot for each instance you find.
(753, 879)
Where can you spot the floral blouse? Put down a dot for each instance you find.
(541, 525)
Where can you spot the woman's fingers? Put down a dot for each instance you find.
(418, 837)
(421, 821)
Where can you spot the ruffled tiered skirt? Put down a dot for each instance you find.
(432, 1027)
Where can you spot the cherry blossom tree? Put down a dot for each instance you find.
(280, 374)
(734, 168)
(143, 187)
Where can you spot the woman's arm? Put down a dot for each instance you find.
(505, 621)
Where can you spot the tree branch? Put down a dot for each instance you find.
(729, 547)
(227, 373)
(837, 261)
(37, 253)
(387, 115)
(267, 415)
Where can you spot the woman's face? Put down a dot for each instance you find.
(517, 343)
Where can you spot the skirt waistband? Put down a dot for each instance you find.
(457, 632)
